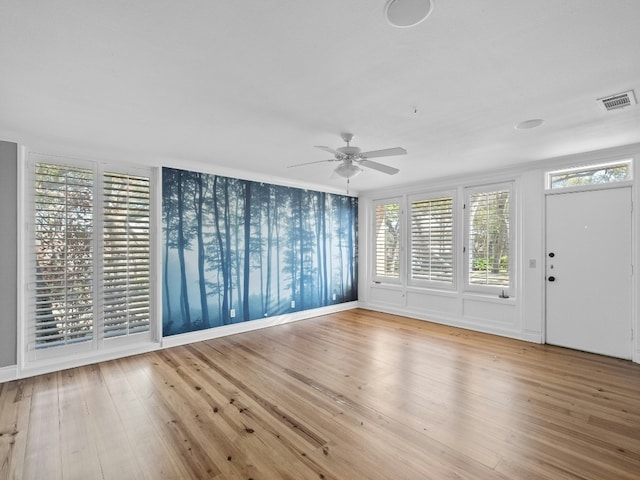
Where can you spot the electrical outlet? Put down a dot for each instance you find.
(532, 263)
(334, 297)
(293, 304)
(232, 313)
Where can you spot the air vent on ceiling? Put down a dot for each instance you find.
(619, 100)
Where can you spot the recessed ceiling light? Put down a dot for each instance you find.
(533, 123)
(407, 13)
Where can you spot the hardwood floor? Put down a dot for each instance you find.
(354, 395)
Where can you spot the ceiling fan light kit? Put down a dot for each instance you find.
(348, 170)
(407, 13)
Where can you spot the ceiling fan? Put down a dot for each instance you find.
(352, 159)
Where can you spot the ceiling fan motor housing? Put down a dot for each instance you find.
(349, 151)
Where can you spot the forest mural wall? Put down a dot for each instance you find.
(236, 250)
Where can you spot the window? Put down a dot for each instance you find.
(432, 258)
(590, 175)
(126, 266)
(91, 268)
(64, 267)
(387, 240)
(489, 262)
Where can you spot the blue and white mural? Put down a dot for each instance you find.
(236, 250)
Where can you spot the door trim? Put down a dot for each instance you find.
(635, 201)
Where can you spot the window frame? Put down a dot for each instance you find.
(628, 161)
(99, 345)
(430, 283)
(499, 290)
(401, 247)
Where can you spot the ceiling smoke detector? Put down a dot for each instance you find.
(619, 100)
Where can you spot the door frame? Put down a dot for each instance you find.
(635, 321)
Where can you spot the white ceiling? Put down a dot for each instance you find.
(254, 85)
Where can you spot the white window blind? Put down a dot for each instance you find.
(126, 241)
(432, 240)
(387, 240)
(489, 236)
(92, 256)
(64, 235)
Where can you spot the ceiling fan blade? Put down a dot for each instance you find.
(386, 152)
(379, 167)
(330, 150)
(311, 163)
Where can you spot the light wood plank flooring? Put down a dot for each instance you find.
(353, 395)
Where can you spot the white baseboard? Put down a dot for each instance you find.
(208, 334)
(453, 322)
(8, 373)
(533, 337)
(40, 367)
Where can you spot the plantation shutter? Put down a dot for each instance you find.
(90, 270)
(64, 237)
(387, 240)
(489, 237)
(126, 260)
(432, 240)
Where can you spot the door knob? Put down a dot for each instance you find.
(552, 278)
(551, 254)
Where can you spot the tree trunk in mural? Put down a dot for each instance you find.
(226, 265)
(258, 247)
(167, 293)
(184, 294)
(323, 247)
(352, 252)
(291, 250)
(267, 302)
(301, 240)
(330, 246)
(317, 225)
(340, 247)
(222, 268)
(168, 211)
(198, 203)
(236, 229)
(247, 249)
(276, 221)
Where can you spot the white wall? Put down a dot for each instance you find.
(520, 316)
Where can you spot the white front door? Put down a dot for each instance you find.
(589, 271)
